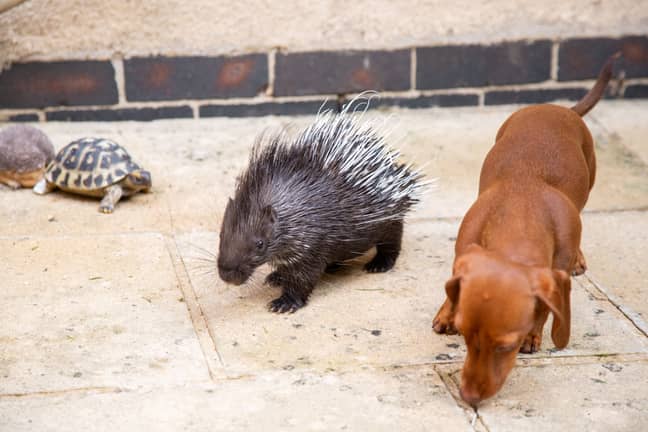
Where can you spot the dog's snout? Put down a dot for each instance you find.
(471, 396)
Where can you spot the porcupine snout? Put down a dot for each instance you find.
(232, 272)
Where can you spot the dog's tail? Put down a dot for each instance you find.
(595, 94)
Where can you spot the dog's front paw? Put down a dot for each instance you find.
(531, 343)
(444, 322)
(580, 266)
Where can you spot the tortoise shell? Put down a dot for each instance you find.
(89, 164)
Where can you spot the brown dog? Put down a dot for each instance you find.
(520, 239)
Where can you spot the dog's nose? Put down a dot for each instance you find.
(471, 396)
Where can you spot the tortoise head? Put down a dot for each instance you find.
(138, 180)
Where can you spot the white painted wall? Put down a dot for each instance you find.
(79, 29)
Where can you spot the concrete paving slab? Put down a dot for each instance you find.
(626, 120)
(404, 400)
(616, 247)
(104, 338)
(194, 164)
(58, 213)
(93, 311)
(597, 327)
(353, 318)
(607, 396)
(356, 318)
(452, 144)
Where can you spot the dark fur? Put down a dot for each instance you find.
(302, 217)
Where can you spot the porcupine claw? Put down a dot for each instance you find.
(285, 304)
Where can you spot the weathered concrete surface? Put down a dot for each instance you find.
(93, 312)
(48, 29)
(603, 396)
(120, 320)
(356, 318)
(368, 399)
(617, 246)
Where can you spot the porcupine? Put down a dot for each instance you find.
(308, 204)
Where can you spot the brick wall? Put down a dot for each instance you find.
(148, 88)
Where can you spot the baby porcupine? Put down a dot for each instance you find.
(305, 205)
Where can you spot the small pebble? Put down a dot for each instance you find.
(51, 218)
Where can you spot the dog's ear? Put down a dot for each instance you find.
(452, 288)
(553, 288)
(459, 268)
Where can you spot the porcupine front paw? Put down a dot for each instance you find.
(285, 303)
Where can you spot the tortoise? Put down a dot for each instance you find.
(24, 153)
(95, 167)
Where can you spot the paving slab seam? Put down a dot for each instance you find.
(627, 312)
(616, 210)
(47, 393)
(81, 235)
(475, 421)
(206, 339)
(454, 366)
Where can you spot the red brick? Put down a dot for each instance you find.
(341, 72)
(173, 78)
(41, 84)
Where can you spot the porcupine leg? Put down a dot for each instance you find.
(387, 249)
(296, 285)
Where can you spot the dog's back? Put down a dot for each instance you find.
(545, 143)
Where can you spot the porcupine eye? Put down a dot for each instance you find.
(259, 244)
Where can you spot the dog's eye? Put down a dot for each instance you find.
(259, 244)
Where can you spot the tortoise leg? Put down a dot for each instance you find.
(111, 197)
(13, 184)
(43, 187)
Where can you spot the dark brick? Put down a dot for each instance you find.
(172, 78)
(444, 100)
(584, 58)
(268, 108)
(339, 72)
(31, 117)
(499, 97)
(636, 91)
(138, 114)
(481, 65)
(41, 84)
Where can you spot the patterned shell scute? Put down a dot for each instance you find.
(90, 163)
